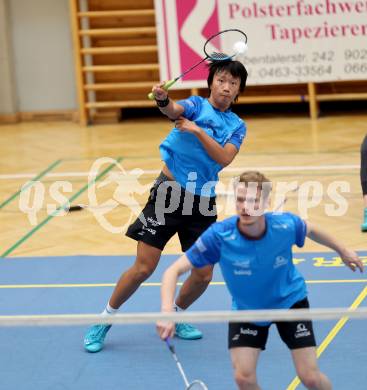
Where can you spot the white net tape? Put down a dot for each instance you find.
(194, 317)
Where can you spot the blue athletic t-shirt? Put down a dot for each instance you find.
(259, 273)
(184, 153)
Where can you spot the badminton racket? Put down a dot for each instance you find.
(234, 42)
(194, 385)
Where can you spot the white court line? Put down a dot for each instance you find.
(231, 169)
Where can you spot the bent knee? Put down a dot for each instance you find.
(310, 379)
(245, 380)
(143, 271)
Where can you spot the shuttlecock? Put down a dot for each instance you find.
(240, 47)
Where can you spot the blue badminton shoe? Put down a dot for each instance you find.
(364, 224)
(187, 332)
(94, 339)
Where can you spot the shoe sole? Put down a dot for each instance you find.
(92, 350)
(189, 338)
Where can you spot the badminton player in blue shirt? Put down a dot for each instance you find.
(254, 251)
(206, 137)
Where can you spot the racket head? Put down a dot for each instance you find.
(226, 42)
(197, 385)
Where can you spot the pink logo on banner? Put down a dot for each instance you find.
(190, 17)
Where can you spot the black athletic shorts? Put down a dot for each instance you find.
(296, 334)
(170, 210)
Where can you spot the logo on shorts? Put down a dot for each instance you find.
(248, 331)
(153, 222)
(302, 331)
(150, 230)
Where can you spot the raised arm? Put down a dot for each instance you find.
(169, 282)
(349, 257)
(167, 106)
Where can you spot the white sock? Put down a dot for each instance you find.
(109, 311)
(177, 308)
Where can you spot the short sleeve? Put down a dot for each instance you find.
(191, 105)
(206, 250)
(238, 136)
(300, 230)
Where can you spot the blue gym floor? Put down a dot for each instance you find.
(134, 358)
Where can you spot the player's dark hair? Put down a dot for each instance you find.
(235, 68)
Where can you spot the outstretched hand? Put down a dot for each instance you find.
(351, 260)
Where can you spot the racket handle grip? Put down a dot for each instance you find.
(169, 345)
(168, 84)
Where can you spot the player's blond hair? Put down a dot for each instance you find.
(263, 183)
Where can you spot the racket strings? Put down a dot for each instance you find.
(226, 45)
(219, 56)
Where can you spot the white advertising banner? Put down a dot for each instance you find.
(289, 41)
